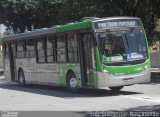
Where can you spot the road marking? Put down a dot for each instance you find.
(145, 98)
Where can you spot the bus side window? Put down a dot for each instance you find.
(30, 49)
(20, 49)
(41, 47)
(50, 49)
(61, 48)
(72, 47)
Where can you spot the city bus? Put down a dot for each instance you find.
(91, 53)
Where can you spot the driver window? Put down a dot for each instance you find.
(108, 47)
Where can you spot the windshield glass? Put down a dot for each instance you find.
(122, 46)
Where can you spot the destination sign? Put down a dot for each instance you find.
(116, 23)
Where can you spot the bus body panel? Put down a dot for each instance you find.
(48, 74)
(38, 73)
(123, 80)
(118, 75)
(127, 69)
(75, 26)
(7, 71)
(32, 70)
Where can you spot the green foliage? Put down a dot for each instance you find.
(157, 28)
(8, 32)
(0, 41)
(21, 15)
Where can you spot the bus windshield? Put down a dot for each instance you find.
(122, 46)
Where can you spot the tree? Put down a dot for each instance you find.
(45, 13)
(8, 32)
(21, 15)
(16, 14)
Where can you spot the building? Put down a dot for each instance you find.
(0, 30)
(1, 34)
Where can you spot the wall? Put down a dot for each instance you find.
(1, 58)
(155, 60)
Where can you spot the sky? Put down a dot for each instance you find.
(3, 28)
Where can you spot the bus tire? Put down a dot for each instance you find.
(21, 78)
(72, 83)
(116, 89)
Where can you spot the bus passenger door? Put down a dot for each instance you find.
(12, 58)
(86, 58)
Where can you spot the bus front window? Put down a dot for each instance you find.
(122, 46)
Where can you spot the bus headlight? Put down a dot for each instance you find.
(106, 71)
(145, 68)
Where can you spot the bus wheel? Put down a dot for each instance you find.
(21, 78)
(115, 89)
(72, 83)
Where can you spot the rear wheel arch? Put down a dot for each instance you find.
(71, 81)
(20, 70)
(21, 76)
(70, 71)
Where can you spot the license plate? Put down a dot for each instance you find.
(128, 79)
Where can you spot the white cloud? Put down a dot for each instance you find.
(3, 28)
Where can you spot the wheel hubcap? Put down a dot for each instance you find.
(73, 82)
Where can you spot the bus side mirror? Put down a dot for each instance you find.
(100, 39)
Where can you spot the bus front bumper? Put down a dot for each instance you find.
(109, 80)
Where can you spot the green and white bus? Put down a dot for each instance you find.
(92, 53)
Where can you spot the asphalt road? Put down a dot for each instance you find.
(139, 97)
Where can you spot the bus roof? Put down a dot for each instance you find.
(48, 31)
(85, 24)
(117, 18)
